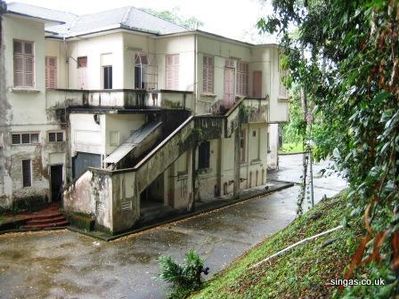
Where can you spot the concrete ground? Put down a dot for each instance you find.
(64, 264)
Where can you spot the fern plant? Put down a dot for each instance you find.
(183, 278)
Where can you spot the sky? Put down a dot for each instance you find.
(230, 18)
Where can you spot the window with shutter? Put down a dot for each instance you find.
(51, 72)
(242, 79)
(172, 71)
(208, 74)
(23, 64)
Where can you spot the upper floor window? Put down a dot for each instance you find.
(107, 76)
(25, 138)
(23, 63)
(51, 72)
(208, 74)
(82, 61)
(140, 68)
(172, 71)
(56, 136)
(242, 78)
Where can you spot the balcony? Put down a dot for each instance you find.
(119, 98)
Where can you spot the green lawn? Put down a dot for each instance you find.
(300, 273)
(289, 148)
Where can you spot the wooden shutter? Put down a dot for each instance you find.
(257, 84)
(172, 71)
(23, 64)
(242, 79)
(208, 74)
(51, 72)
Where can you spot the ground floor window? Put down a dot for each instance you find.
(203, 155)
(26, 173)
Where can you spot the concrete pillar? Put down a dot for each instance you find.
(236, 187)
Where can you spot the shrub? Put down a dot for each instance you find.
(184, 278)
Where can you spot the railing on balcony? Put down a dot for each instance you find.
(120, 98)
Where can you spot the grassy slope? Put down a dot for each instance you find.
(303, 271)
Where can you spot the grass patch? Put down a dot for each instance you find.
(290, 148)
(300, 273)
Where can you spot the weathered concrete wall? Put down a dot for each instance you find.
(23, 110)
(272, 156)
(184, 46)
(101, 50)
(79, 196)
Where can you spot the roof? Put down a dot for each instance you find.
(40, 12)
(128, 17)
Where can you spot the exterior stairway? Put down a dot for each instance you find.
(47, 218)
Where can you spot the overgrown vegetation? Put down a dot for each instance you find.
(302, 272)
(345, 55)
(185, 278)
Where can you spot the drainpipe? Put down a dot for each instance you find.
(3, 101)
(195, 73)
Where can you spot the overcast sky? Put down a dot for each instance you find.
(231, 18)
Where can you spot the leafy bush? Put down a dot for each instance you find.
(184, 278)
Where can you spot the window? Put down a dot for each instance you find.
(51, 72)
(172, 71)
(23, 63)
(140, 66)
(204, 154)
(107, 75)
(56, 136)
(26, 173)
(242, 78)
(25, 138)
(82, 61)
(207, 74)
(243, 146)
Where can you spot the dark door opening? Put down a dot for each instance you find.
(56, 182)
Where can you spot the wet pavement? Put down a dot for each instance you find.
(64, 264)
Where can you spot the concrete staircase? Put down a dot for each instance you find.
(47, 218)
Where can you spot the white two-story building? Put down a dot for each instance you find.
(122, 111)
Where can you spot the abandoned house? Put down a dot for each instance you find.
(122, 112)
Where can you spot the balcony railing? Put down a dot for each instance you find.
(120, 98)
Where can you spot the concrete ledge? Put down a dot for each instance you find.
(202, 208)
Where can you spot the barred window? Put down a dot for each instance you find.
(56, 136)
(24, 138)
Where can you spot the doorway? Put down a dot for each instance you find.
(56, 182)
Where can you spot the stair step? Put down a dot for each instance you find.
(48, 215)
(46, 225)
(46, 220)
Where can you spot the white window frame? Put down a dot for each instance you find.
(23, 56)
(208, 74)
(56, 140)
(30, 138)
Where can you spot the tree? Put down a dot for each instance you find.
(191, 23)
(351, 75)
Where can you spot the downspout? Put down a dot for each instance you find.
(195, 73)
(4, 106)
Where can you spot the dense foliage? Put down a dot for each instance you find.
(345, 54)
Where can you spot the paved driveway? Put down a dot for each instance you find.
(69, 265)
